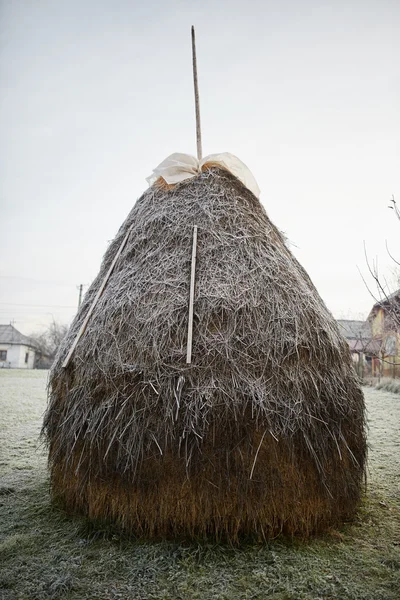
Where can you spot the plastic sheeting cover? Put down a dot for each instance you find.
(177, 167)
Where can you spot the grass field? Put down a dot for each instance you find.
(45, 554)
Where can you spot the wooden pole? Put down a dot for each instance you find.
(191, 298)
(99, 293)
(196, 96)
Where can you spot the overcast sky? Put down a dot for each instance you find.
(95, 94)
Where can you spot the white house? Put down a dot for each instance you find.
(16, 350)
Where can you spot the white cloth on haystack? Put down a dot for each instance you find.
(177, 167)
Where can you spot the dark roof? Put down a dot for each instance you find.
(366, 346)
(354, 330)
(387, 299)
(359, 336)
(390, 306)
(10, 335)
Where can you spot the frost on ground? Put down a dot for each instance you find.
(22, 404)
(383, 417)
(46, 554)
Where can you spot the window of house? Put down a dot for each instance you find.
(26, 356)
(3, 354)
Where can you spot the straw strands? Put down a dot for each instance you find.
(262, 433)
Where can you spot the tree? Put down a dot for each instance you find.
(386, 295)
(387, 303)
(47, 343)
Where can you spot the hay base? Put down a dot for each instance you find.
(216, 499)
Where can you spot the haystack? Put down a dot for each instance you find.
(262, 433)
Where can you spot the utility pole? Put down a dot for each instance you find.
(80, 294)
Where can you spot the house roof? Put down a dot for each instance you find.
(366, 346)
(395, 296)
(359, 335)
(10, 335)
(355, 330)
(389, 304)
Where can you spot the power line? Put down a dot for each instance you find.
(46, 282)
(39, 305)
(38, 312)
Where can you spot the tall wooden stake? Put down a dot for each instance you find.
(196, 97)
(191, 298)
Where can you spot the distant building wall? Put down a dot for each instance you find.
(18, 356)
(378, 323)
(391, 355)
(387, 362)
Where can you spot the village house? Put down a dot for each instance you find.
(17, 351)
(375, 343)
(384, 319)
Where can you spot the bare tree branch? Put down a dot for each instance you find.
(47, 343)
